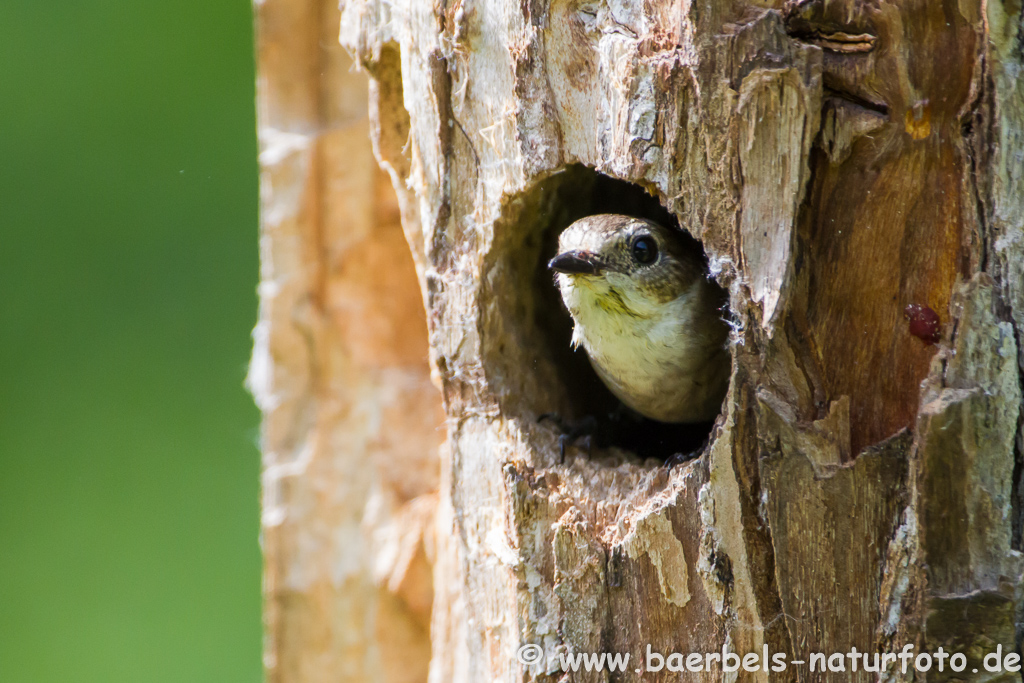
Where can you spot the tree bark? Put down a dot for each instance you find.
(845, 166)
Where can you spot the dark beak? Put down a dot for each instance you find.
(576, 262)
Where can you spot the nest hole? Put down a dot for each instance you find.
(530, 359)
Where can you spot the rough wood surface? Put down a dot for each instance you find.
(839, 161)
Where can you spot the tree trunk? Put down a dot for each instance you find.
(350, 431)
(853, 170)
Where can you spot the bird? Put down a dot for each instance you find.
(647, 315)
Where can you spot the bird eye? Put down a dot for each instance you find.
(645, 249)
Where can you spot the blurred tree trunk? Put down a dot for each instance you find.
(351, 419)
(845, 165)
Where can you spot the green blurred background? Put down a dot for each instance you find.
(128, 228)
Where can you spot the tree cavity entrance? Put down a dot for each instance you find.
(527, 331)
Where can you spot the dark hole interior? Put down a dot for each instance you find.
(577, 193)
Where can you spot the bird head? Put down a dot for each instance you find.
(620, 265)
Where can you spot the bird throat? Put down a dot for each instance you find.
(611, 301)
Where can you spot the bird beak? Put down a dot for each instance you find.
(576, 262)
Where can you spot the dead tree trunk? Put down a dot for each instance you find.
(846, 166)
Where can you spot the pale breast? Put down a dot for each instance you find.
(656, 365)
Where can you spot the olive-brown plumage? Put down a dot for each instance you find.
(648, 317)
